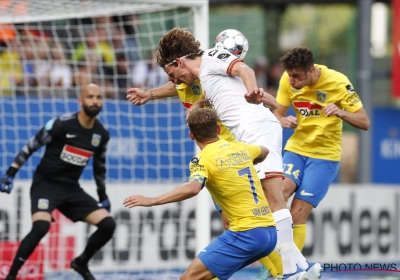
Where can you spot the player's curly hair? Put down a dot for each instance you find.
(203, 123)
(298, 58)
(177, 43)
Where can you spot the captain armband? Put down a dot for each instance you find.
(198, 178)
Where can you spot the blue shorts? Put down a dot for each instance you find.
(234, 250)
(312, 176)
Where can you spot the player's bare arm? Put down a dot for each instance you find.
(139, 96)
(286, 122)
(263, 154)
(259, 96)
(358, 119)
(180, 193)
(254, 95)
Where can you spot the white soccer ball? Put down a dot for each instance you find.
(233, 41)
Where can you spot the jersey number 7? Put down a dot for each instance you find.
(246, 171)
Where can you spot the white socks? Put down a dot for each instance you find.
(291, 255)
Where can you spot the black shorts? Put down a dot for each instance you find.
(72, 201)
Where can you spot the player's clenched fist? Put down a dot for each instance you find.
(289, 122)
(137, 200)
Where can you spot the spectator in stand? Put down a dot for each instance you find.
(42, 64)
(94, 45)
(274, 74)
(86, 71)
(61, 73)
(10, 63)
(28, 64)
(260, 70)
(130, 27)
(146, 74)
(121, 79)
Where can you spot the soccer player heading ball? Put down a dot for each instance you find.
(71, 140)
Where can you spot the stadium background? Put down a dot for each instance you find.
(149, 149)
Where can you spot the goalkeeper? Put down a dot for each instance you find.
(70, 140)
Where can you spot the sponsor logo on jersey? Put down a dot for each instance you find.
(321, 96)
(187, 105)
(196, 90)
(96, 140)
(222, 164)
(75, 155)
(195, 160)
(43, 204)
(223, 56)
(307, 108)
(350, 89)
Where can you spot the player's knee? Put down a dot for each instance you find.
(286, 193)
(40, 228)
(300, 214)
(187, 275)
(107, 226)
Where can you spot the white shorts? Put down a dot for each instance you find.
(269, 135)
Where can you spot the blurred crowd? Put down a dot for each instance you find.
(57, 58)
(52, 60)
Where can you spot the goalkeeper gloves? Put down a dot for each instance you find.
(6, 182)
(103, 198)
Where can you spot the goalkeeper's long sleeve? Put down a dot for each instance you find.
(41, 138)
(99, 170)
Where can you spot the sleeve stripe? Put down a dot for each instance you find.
(230, 67)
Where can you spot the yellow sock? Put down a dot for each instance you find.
(276, 260)
(273, 262)
(299, 235)
(269, 265)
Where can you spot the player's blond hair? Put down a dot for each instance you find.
(298, 58)
(177, 43)
(203, 123)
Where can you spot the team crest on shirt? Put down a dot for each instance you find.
(96, 140)
(307, 108)
(196, 90)
(321, 96)
(43, 204)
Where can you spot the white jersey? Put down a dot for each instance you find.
(226, 93)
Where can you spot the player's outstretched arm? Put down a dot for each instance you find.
(139, 96)
(180, 193)
(286, 122)
(41, 138)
